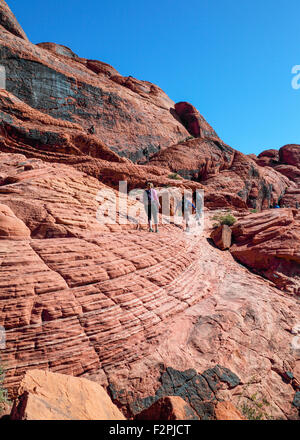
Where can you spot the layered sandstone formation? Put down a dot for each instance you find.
(230, 178)
(86, 291)
(286, 161)
(269, 243)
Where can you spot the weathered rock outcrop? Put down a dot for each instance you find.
(168, 408)
(116, 305)
(194, 122)
(9, 22)
(287, 162)
(51, 396)
(227, 411)
(269, 243)
(131, 117)
(10, 225)
(221, 237)
(230, 178)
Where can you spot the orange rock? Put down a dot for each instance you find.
(10, 225)
(222, 237)
(169, 408)
(9, 22)
(227, 411)
(52, 396)
(269, 243)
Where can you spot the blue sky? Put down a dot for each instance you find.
(232, 59)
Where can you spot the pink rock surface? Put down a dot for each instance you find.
(269, 243)
(115, 304)
(51, 396)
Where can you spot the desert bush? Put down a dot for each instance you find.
(187, 139)
(174, 176)
(3, 391)
(255, 407)
(225, 219)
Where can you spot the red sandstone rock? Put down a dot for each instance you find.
(222, 237)
(114, 303)
(195, 159)
(51, 396)
(10, 225)
(131, 117)
(290, 154)
(269, 243)
(272, 153)
(168, 408)
(92, 297)
(194, 122)
(230, 178)
(8, 21)
(227, 411)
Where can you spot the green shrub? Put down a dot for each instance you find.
(225, 219)
(174, 176)
(253, 211)
(3, 391)
(256, 406)
(187, 139)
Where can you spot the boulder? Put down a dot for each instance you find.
(227, 411)
(194, 122)
(51, 396)
(290, 155)
(222, 237)
(169, 408)
(269, 243)
(11, 226)
(9, 22)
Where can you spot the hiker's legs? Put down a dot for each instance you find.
(149, 215)
(155, 216)
(186, 218)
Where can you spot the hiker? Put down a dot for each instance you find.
(152, 205)
(185, 206)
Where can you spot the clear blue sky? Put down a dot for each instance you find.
(232, 59)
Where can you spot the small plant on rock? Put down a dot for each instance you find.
(3, 391)
(225, 219)
(174, 176)
(255, 407)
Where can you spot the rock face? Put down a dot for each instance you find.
(51, 396)
(227, 411)
(230, 178)
(168, 408)
(194, 122)
(8, 21)
(222, 237)
(269, 243)
(28, 131)
(121, 306)
(199, 391)
(131, 117)
(10, 225)
(287, 162)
